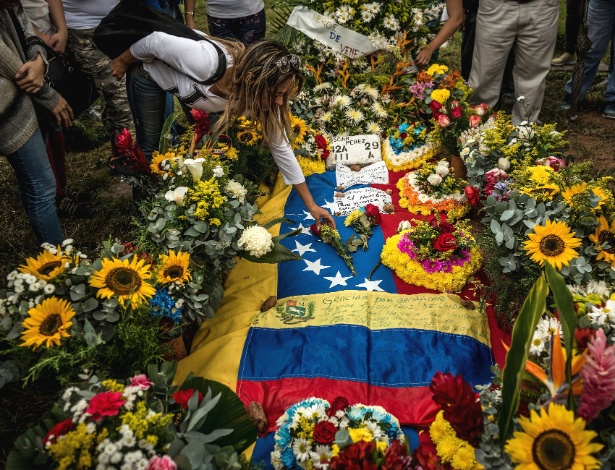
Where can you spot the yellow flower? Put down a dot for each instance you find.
(247, 137)
(353, 217)
(572, 191)
(299, 128)
(605, 233)
(124, 279)
(75, 449)
(45, 266)
(335, 450)
(440, 96)
(553, 439)
(112, 385)
(47, 323)
(554, 243)
(381, 447)
(157, 160)
(436, 68)
(174, 268)
(360, 434)
(232, 153)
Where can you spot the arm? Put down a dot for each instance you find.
(57, 40)
(455, 20)
(29, 76)
(189, 11)
(121, 63)
(320, 215)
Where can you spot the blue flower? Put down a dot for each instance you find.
(288, 458)
(163, 305)
(355, 413)
(283, 436)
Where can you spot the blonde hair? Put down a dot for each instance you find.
(257, 75)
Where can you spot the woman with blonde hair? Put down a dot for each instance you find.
(217, 75)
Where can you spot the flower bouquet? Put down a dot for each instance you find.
(437, 255)
(407, 147)
(311, 147)
(332, 237)
(316, 434)
(433, 188)
(362, 220)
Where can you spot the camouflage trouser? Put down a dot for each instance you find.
(116, 112)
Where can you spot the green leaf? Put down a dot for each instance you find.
(278, 254)
(163, 144)
(523, 331)
(568, 318)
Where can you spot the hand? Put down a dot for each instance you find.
(63, 113)
(322, 216)
(423, 57)
(30, 76)
(58, 41)
(190, 21)
(119, 68)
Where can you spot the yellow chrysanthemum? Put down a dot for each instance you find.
(360, 434)
(572, 191)
(157, 159)
(247, 137)
(553, 439)
(47, 323)
(554, 243)
(605, 233)
(299, 128)
(232, 153)
(436, 68)
(124, 279)
(45, 266)
(440, 96)
(174, 268)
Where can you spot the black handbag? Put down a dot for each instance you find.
(132, 20)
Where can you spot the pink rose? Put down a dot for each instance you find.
(481, 109)
(456, 112)
(556, 163)
(495, 175)
(443, 120)
(161, 463)
(474, 120)
(141, 381)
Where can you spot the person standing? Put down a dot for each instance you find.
(82, 17)
(243, 20)
(530, 26)
(573, 24)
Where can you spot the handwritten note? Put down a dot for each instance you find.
(355, 150)
(374, 173)
(356, 198)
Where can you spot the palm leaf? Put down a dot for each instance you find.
(164, 143)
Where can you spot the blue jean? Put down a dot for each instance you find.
(148, 103)
(37, 188)
(247, 29)
(601, 31)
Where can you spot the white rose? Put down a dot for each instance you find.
(434, 179)
(442, 170)
(503, 163)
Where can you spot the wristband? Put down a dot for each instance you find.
(191, 13)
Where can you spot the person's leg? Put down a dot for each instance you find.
(148, 103)
(536, 37)
(37, 188)
(467, 44)
(600, 29)
(496, 25)
(573, 23)
(251, 28)
(221, 27)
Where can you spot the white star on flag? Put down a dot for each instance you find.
(301, 249)
(330, 206)
(304, 230)
(308, 216)
(371, 285)
(338, 280)
(315, 266)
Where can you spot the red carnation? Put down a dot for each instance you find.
(433, 221)
(403, 135)
(315, 229)
(473, 195)
(339, 404)
(58, 430)
(181, 397)
(105, 404)
(435, 106)
(446, 227)
(355, 456)
(445, 242)
(324, 432)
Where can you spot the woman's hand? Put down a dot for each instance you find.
(30, 76)
(119, 68)
(423, 57)
(58, 41)
(322, 216)
(63, 113)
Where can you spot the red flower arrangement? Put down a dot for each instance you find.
(59, 430)
(135, 161)
(324, 432)
(105, 404)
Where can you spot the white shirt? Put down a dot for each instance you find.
(233, 8)
(174, 63)
(38, 12)
(86, 14)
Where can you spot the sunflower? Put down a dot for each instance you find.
(156, 163)
(605, 233)
(174, 268)
(554, 243)
(47, 323)
(124, 279)
(553, 440)
(46, 266)
(299, 128)
(572, 191)
(247, 137)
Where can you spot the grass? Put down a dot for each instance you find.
(592, 138)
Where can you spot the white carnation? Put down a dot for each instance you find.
(256, 240)
(236, 190)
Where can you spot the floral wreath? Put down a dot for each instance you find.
(436, 255)
(312, 148)
(408, 147)
(433, 188)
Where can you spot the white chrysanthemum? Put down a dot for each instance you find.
(342, 101)
(379, 110)
(322, 86)
(345, 13)
(597, 287)
(301, 449)
(373, 128)
(390, 22)
(354, 115)
(326, 116)
(525, 132)
(320, 456)
(236, 190)
(434, 179)
(256, 240)
(549, 326)
(276, 460)
(537, 346)
(366, 15)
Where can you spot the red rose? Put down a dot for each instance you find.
(473, 195)
(325, 154)
(456, 112)
(474, 121)
(339, 404)
(433, 221)
(321, 142)
(105, 404)
(324, 432)
(181, 397)
(435, 106)
(443, 120)
(315, 229)
(445, 227)
(355, 456)
(58, 430)
(445, 242)
(403, 135)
